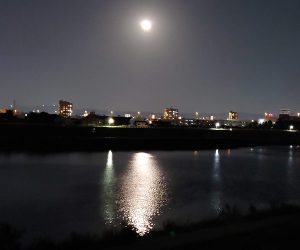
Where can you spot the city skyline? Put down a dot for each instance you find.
(79, 111)
(199, 56)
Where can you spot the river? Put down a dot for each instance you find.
(52, 195)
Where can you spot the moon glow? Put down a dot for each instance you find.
(146, 25)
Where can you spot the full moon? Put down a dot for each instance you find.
(146, 25)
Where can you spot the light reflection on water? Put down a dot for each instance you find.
(143, 193)
(290, 165)
(109, 190)
(216, 194)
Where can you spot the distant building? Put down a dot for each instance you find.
(65, 109)
(141, 124)
(3, 110)
(285, 112)
(233, 116)
(170, 113)
(152, 117)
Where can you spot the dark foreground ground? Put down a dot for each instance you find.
(16, 137)
(277, 228)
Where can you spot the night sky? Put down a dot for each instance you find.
(205, 56)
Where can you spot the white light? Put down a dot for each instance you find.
(217, 125)
(291, 127)
(146, 25)
(111, 121)
(85, 114)
(109, 162)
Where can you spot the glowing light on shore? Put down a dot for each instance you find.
(111, 121)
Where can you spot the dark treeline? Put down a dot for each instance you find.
(51, 132)
(57, 120)
(94, 120)
(15, 137)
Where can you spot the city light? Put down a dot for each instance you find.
(111, 121)
(85, 114)
(291, 127)
(217, 125)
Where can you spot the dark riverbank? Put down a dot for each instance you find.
(16, 137)
(276, 228)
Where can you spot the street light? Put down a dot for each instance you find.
(111, 121)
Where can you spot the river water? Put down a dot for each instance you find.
(53, 195)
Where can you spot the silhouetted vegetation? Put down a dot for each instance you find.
(40, 137)
(10, 237)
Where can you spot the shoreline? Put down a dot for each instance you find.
(276, 227)
(43, 138)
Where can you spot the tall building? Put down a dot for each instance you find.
(65, 108)
(285, 112)
(170, 113)
(3, 110)
(232, 115)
